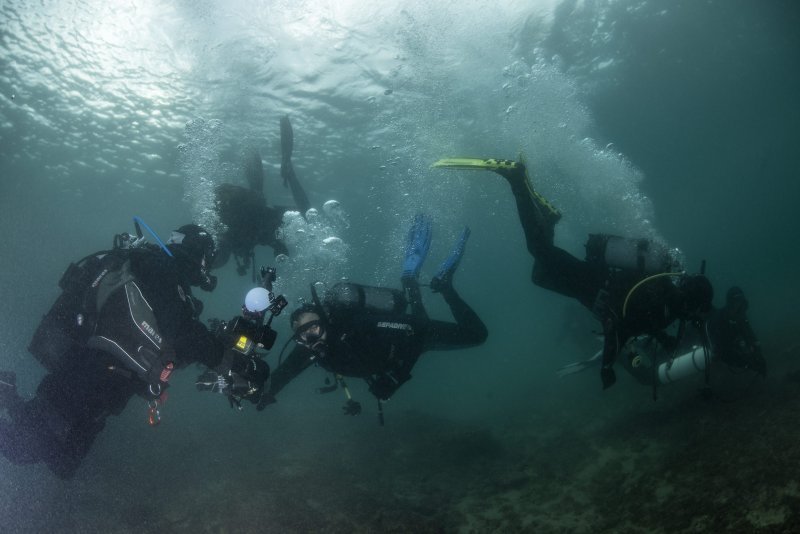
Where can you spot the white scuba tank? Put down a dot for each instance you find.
(687, 364)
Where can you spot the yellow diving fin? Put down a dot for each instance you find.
(499, 165)
(490, 164)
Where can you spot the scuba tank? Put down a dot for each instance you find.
(687, 364)
(351, 296)
(72, 318)
(640, 255)
(642, 352)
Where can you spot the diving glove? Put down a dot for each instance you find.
(417, 246)
(444, 276)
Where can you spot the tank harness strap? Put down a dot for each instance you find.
(639, 284)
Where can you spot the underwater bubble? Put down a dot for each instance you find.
(281, 258)
(331, 206)
(332, 241)
(289, 216)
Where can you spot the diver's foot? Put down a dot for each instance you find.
(515, 173)
(444, 276)
(439, 285)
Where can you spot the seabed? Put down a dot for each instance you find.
(686, 465)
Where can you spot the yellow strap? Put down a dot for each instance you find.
(635, 287)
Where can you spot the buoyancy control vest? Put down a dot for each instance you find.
(102, 307)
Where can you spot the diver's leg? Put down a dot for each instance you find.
(468, 331)
(254, 172)
(559, 271)
(223, 252)
(418, 244)
(444, 276)
(554, 268)
(287, 169)
(537, 216)
(414, 297)
(18, 439)
(59, 425)
(8, 389)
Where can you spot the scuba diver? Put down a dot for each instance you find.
(632, 286)
(731, 338)
(366, 332)
(249, 220)
(725, 338)
(125, 321)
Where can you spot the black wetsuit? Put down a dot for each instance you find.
(599, 287)
(86, 385)
(382, 347)
(734, 342)
(250, 221)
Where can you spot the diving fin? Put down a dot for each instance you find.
(577, 367)
(287, 146)
(418, 244)
(490, 164)
(444, 276)
(287, 169)
(514, 171)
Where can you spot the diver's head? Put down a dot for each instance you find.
(193, 249)
(696, 295)
(309, 329)
(735, 302)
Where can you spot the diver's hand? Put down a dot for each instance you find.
(240, 377)
(212, 381)
(608, 376)
(351, 407)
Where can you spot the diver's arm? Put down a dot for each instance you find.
(297, 362)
